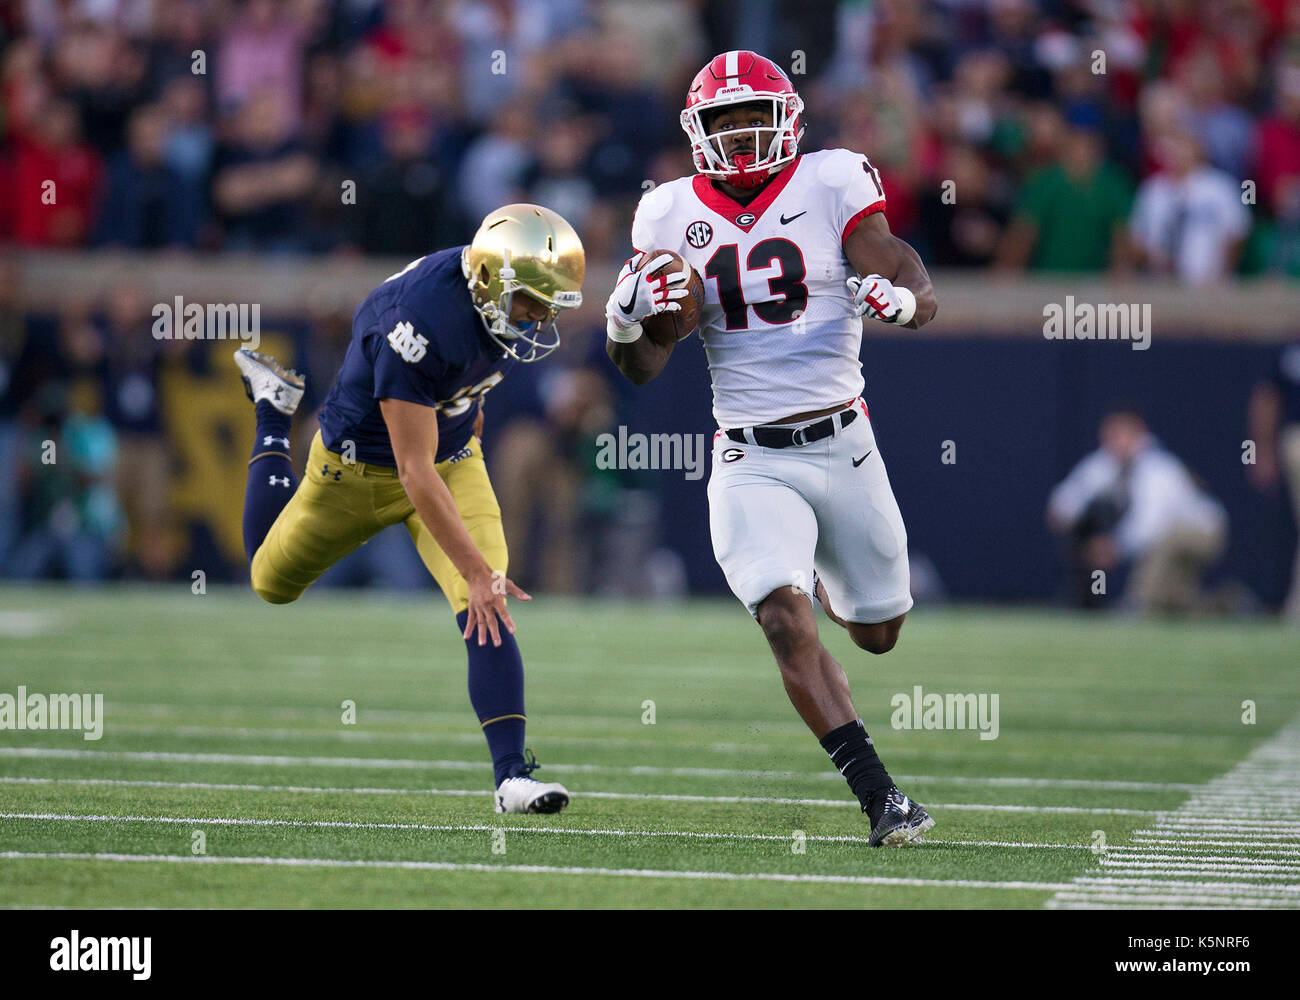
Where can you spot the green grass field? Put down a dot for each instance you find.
(223, 715)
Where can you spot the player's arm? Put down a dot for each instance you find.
(906, 295)
(413, 430)
(637, 296)
(640, 360)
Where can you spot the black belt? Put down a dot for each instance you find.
(779, 436)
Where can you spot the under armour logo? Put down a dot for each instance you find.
(337, 473)
(269, 440)
(279, 481)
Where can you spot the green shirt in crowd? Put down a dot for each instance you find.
(1075, 219)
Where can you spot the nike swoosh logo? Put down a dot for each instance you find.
(786, 222)
(636, 290)
(859, 461)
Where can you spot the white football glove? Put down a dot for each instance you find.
(637, 295)
(879, 298)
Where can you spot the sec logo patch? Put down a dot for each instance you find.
(698, 234)
(732, 455)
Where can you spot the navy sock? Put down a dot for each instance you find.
(271, 481)
(853, 753)
(496, 690)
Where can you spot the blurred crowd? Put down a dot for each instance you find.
(1129, 136)
(1057, 135)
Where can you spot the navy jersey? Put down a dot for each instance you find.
(418, 338)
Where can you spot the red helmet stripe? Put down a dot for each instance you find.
(739, 77)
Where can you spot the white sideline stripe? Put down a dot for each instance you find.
(475, 739)
(1242, 869)
(1183, 883)
(538, 870)
(26, 624)
(353, 735)
(1264, 782)
(463, 792)
(1127, 901)
(432, 827)
(464, 765)
(1174, 890)
(424, 716)
(765, 800)
(1181, 844)
(486, 828)
(1178, 821)
(1129, 855)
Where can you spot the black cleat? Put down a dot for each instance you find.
(902, 822)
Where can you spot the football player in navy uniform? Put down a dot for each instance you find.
(398, 443)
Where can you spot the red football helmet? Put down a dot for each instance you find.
(743, 77)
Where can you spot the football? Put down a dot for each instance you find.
(669, 327)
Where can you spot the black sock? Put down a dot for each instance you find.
(852, 752)
(271, 481)
(496, 690)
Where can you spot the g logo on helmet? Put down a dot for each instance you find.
(698, 234)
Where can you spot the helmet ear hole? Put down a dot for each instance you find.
(484, 276)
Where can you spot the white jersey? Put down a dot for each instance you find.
(778, 323)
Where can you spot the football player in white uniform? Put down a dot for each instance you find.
(794, 250)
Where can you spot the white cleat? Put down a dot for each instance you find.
(527, 795)
(265, 378)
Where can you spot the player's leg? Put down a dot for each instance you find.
(863, 578)
(815, 684)
(874, 638)
(294, 531)
(496, 673)
(764, 535)
(864, 584)
(276, 392)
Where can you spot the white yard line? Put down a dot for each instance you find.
(1184, 893)
(543, 870)
(491, 828)
(386, 763)
(431, 827)
(282, 760)
(1250, 810)
(473, 739)
(638, 796)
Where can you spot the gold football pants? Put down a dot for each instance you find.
(339, 506)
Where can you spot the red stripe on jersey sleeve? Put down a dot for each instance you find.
(852, 224)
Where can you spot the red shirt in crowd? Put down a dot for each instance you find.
(61, 215)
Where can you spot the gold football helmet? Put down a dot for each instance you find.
(524, 248)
